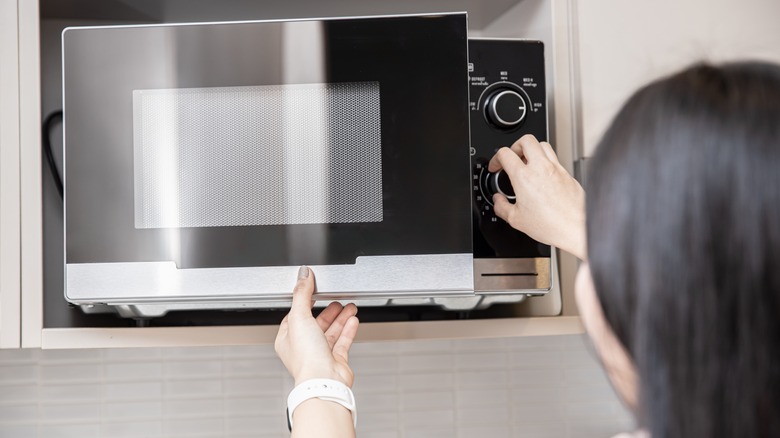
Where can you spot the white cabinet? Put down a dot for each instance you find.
(10, 278)
(21, 266)
(38, 57)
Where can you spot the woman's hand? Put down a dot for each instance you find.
(316, 348)
(549, 204)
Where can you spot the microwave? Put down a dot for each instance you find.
(205, 162)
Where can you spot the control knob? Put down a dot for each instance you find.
(505, 108)
(499, 182)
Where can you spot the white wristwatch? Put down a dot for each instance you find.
(323, 389)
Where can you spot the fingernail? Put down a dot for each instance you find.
(495, 197)
(303, 272)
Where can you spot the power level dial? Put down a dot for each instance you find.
(505, 108)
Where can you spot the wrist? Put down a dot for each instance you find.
(579, 245)
(576, 246)
(573, 235)
(319, 373)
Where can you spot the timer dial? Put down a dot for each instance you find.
(495, 182)
(499, 183)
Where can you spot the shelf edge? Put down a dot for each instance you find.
(258, 335)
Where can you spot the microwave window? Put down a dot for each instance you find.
(267, 143)
(257, 155)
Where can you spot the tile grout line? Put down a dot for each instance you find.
(101, 408)
(164, 390)
(223, 366)
(399, 394)
(38, 392)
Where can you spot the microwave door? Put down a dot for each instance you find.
(206, 162)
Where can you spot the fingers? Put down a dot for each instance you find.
(326, 317)
(505, 159)
(280, 336)
(344, 342)
(549, 152)
(503, 208)
(526, 147)
(334, 331)
(303, 292)
(530, 147)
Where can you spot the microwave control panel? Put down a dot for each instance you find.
(508, 99)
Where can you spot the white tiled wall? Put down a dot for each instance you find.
(523, 387)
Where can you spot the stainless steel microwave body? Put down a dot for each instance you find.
(205, 162)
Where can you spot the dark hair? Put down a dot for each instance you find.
(683, 223)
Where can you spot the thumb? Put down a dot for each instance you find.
(503, 208)
(303, 291)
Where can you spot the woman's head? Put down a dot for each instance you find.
(683, 223)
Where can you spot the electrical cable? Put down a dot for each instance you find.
(48, 123)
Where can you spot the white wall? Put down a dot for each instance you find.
(522, 387)
(625, 44)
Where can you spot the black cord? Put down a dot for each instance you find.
(48, 123)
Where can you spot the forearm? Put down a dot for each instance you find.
(320, 418)
(573, 239)
(560, 224)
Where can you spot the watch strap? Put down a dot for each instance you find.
(323, 389)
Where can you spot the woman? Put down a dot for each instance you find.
(679, 288)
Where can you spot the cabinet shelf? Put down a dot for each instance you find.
(47, 320)
(481, 13)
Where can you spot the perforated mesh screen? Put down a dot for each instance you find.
(260, 155)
